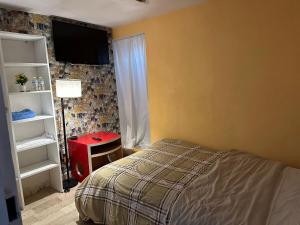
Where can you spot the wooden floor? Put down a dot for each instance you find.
(51, 208)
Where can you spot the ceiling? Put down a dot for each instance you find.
(103, 12)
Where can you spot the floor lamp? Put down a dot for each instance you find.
(67, 88)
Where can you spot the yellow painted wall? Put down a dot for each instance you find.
(226, 74)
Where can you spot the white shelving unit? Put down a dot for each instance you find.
(35, 149)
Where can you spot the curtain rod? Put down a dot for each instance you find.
(127, 37)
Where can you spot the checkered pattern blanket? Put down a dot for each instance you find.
(142, 189)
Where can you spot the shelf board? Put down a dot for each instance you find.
(36, 118)
(18, 36)
(24, 64)
(33, 143)
(106, 152)
(28, 92)
(37, 168)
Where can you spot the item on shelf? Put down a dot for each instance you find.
(35, 84)
(22, 88)
(41, 84)
(97, 138)
(21, 79)
(24, 114)
(73, 138)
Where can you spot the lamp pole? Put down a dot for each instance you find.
(69, 183)
(67, 88)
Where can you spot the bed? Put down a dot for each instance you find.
(179, 183)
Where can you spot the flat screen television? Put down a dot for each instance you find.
(79, 44)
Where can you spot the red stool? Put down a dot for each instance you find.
(87, 151)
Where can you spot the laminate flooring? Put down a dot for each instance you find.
(48, 207)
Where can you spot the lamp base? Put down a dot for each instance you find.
(68, 184)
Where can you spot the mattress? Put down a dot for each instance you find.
(177, 183)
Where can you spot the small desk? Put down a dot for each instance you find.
(88, 154)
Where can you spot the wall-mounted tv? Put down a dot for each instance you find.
(79, 44)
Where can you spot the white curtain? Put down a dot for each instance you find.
(131, 77)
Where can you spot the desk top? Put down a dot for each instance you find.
(106, 137)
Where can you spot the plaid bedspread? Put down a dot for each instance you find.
(142, 189)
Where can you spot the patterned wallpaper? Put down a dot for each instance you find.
(97, 110)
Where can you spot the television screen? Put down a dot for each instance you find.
(79, 45)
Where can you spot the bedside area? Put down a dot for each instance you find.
(136, 149)
(92, 151)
